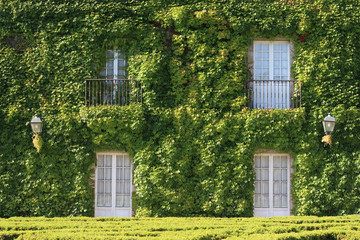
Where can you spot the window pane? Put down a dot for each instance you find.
(257, 187)
(126, 161)
(107, 173)
(265, 63)
(107, 201)
(127, 201)
(257, 201)
(284, 202)
(100, 161)
(265, 55)
(110, 72)
(100, 200)
(107, 186)
(121, 63)
(258, 46)
(120, 55)
(110, 54)
(265, 174)
(108, 161)
(126, 174)
(265, 187)
(265, 46)
(265, 201)
(265, 161)
(120, 160)
(110, 64)
(257, 161)
(258, 174)
(277, 201)
(100, 173)
(257, 55)
(284, 174)
(277, 161)
(284, 162)
(119, 201)
(100, 187)
(277, 175)
(121, 72)
(277, 188)
(284, 187)
(277, 47)
(277, 56)
(284, 55)
(277, 63)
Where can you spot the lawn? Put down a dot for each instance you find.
(342, 227)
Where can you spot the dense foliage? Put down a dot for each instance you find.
(344, 227)
(193, 138)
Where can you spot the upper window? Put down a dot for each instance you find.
(271, 60)
(271, 85)
(115, 65)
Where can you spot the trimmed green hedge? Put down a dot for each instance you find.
(193, 138)
(181, 228)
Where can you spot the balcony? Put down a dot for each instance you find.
(279, 94)
(119, 92)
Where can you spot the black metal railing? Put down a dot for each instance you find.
(266, 94)
(118, 92)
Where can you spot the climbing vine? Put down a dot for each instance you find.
(193, 137)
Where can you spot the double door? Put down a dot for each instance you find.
(113, 185)
(272, 185)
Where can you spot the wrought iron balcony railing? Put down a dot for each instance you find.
(266, 94)
(118, 92)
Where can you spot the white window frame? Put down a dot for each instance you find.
(113, 211)
(271, 211)
(271, 57)
(271, 92)
(117, 53)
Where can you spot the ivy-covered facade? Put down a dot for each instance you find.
(222, 115)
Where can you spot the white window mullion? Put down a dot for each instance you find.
(271, 183)
(271, 61)
(116, 62)
(113, 183)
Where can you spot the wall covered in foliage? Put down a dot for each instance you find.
(193, 138)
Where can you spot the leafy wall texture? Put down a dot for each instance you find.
(193, 138)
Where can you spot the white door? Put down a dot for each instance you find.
(113, 185)
(271, 84)
(272, 185)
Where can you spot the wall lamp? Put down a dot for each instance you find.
(36, 126)
(329, 125)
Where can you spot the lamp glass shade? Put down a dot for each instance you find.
(36, 124)
(329, 124)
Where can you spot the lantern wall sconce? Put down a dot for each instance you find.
(36, 126)
(329, 125)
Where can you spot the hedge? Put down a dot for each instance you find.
(346, 227)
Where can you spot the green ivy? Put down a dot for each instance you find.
(193, 138)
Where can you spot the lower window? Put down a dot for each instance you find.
(113, 185)
(272, 185)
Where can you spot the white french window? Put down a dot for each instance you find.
(115, 71)
(113, 185)
(272, 185)
(272, 86)
(115, 65)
